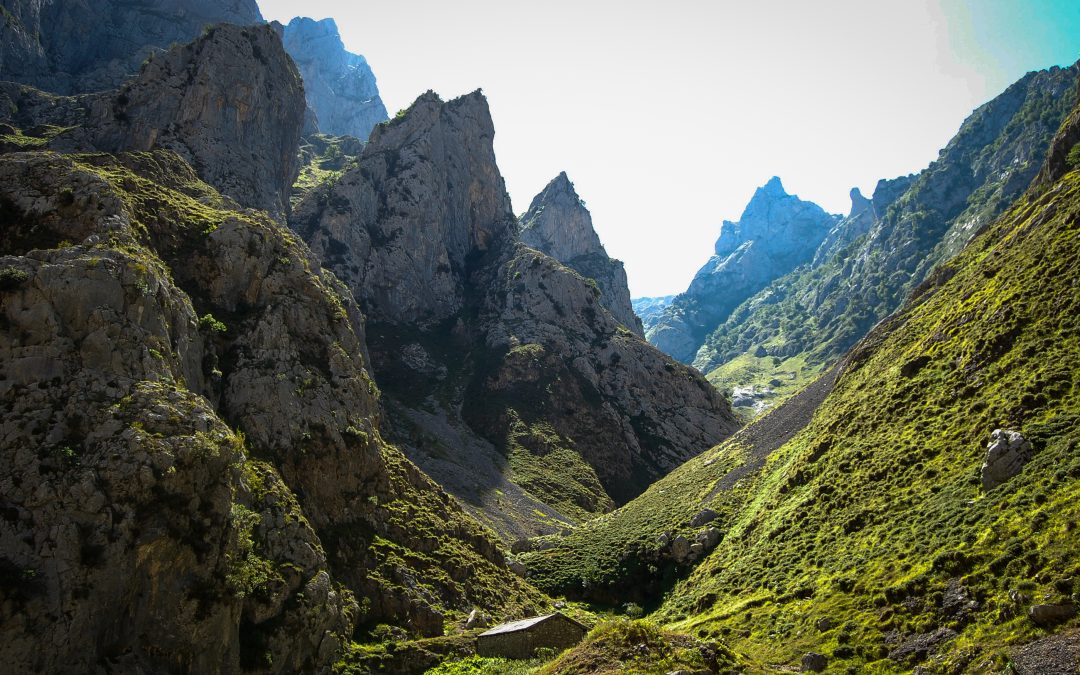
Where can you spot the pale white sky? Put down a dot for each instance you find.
(668, 115)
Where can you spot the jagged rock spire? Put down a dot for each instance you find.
(558, 224)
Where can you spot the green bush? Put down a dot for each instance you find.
(11, 278)
(1073, 158)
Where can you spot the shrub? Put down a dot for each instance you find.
(12, 278)
(1073, 158)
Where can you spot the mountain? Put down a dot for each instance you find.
(71, 46)
(650, 309)
(231, 103)
(806, 320)
(776, 233)
(506, 377)
(340, 86)
(196, 477)
(913, 507)
(558, 224)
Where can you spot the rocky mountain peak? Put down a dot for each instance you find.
(776, 219)
(323, 31)
(424, 201)
(776, 233)
(340, 85)
(231, 104)
(859, 203)
(773, 188)
(558, 224)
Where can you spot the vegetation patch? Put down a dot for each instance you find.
(639, 647)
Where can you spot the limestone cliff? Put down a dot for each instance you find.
(196, 476)
(776, 233)
(71, 47)
(493, 355)
(340, 86)
(231, 103)
(558, 224)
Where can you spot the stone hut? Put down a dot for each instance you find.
(521, 639)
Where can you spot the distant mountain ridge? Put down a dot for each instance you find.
(776, 233)
(651, 308)
(340, 86)
(875, 256)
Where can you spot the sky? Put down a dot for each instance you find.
(668, 115)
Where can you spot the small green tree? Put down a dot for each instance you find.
(1073, 158)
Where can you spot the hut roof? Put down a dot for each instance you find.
(515, 626)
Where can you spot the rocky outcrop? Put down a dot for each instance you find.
(871, 262)
(558, 224)
(155, 343)
(1006, 455)
(556, 358)
(77, 47)
(862, 217)
(231, 104)
(776, 233)
(340, 86)
(402, 229)
(516, 350)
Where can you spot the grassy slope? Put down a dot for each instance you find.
(782, 376)
(869, 512)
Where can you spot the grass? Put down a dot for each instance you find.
(323, 159)
(782, 376)
(638, 647)
(480, 665)
(869, 516)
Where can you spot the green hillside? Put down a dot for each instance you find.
(868, 536)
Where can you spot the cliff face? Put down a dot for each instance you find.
(558, 224)
(69, 47)
(402, 228)
(340, 86)
(868, 265)
(231, 103)
(196, 475)
(776, 233)
(494, 355)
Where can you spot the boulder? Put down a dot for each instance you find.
(517, 567)
(813, 662)
(1051, 614)
(702, 517)
(709, 538)
(680, 549)
(1006, 455)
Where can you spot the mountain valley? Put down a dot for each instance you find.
(288, 387)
